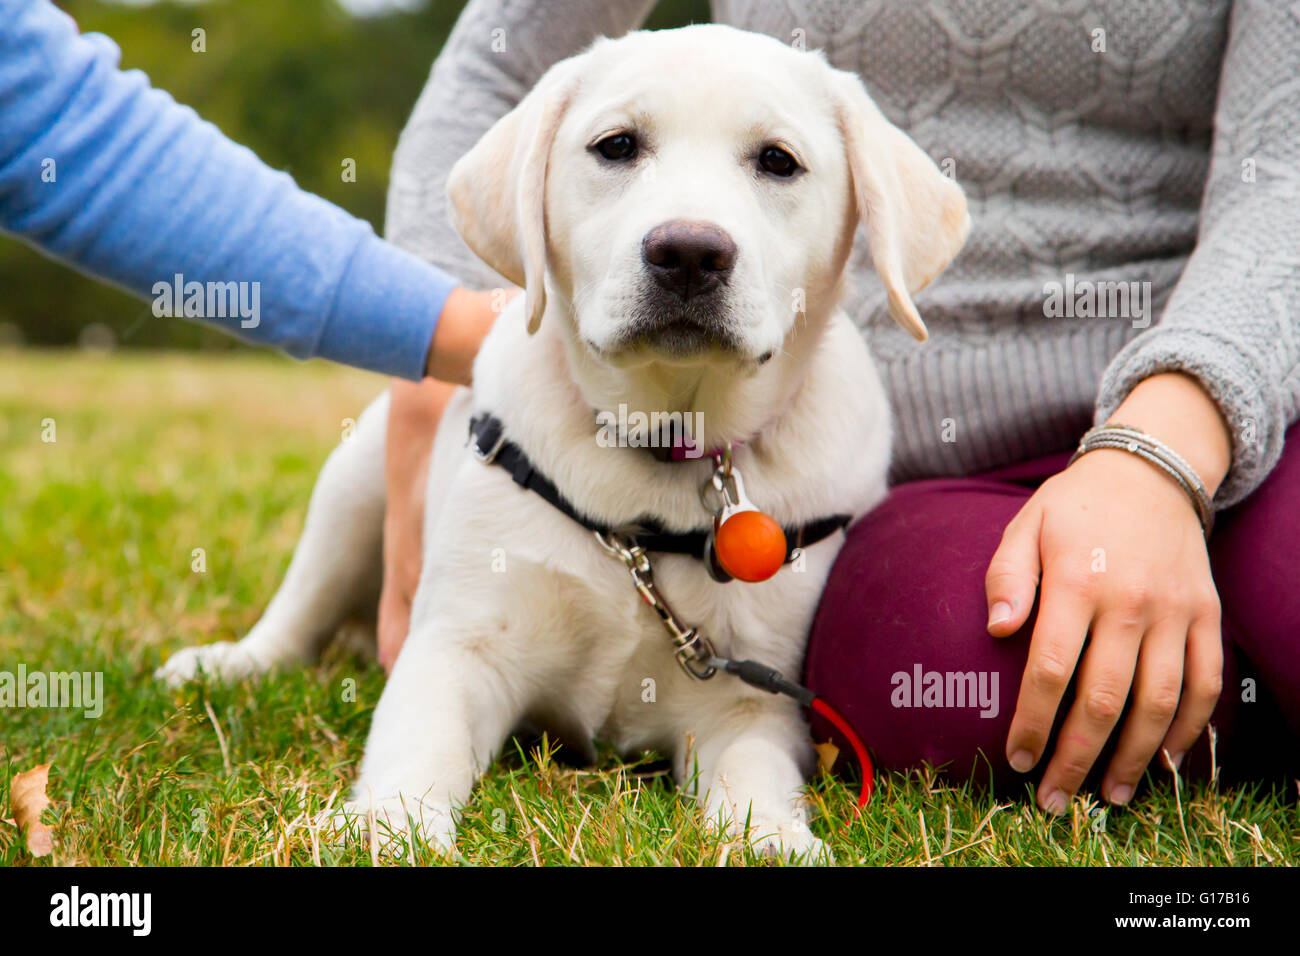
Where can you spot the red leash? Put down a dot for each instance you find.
(771, 680)
(864, 761)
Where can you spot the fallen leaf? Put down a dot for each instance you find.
(27, 799)
(826, 755)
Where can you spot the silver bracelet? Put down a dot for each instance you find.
(1137, 442)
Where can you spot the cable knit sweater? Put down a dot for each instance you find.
(1132, 168)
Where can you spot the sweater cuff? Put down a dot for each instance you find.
(1234, 376)
(385, 310)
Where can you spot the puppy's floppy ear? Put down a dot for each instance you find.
(915, 216)
(497, 191)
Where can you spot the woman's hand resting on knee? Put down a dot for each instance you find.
(1116, 552)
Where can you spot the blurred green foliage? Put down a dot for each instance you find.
(301, 82)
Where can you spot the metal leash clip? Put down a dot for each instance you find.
(694, 651)
(723, 491)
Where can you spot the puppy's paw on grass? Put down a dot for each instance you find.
(225, 661)
(795, 844)
(394, 822)
(790, 840)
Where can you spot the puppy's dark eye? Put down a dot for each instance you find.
(617, 148)
(775, 160)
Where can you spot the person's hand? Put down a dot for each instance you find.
(1122, 562)
(466, 317)
(413, 415)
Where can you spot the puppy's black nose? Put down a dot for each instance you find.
(688, 258)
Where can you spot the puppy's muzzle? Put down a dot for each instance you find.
(689, 258)
(684, 309)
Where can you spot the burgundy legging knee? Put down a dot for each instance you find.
(906, 600)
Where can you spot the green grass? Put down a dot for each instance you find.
(157, 455)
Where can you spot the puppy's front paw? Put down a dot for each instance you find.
(225, 660)
(394, 821)
(794, 842)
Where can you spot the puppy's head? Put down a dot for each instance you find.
(691, 194)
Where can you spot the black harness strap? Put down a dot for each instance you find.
(488, 441)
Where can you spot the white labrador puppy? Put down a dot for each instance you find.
(679, 207)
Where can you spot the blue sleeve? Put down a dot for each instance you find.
(101, 170)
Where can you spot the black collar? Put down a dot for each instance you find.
(488, 443)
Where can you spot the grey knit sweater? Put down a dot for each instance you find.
(1133, 173)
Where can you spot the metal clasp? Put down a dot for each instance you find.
(723, 492)
(693, 651)
(489, 456)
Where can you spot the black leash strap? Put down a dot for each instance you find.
(489, 445)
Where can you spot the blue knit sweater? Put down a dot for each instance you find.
(117, 179)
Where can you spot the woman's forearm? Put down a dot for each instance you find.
(1177, 410)
(1233, 319)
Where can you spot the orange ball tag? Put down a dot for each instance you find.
(749, 545)
(746, 543)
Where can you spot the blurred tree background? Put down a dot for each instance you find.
(304, 83)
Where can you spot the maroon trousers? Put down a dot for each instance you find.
(899, 644)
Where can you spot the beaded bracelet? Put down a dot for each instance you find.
(1137, 442)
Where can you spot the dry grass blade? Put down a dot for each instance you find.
(221, 738)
